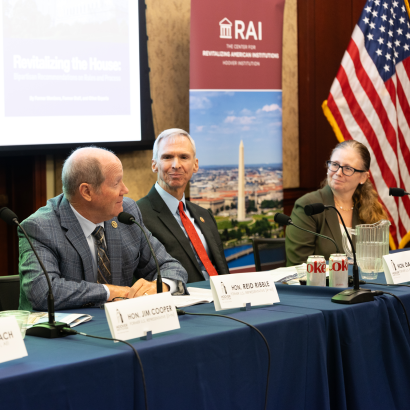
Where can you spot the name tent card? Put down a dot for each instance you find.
(11, 342)
(132, 318)
(235, 291)
(397, 267)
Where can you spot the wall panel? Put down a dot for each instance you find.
(23, 186)
(324, 31)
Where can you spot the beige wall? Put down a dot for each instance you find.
(290, 126)
(168, 26)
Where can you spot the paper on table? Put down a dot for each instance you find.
(195, 297)
(73, 319)
(287, 274)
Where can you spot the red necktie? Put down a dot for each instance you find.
(196, 241)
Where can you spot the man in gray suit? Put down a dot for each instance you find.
(91, 257)
(188, 232)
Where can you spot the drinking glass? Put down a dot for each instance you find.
(21, 317)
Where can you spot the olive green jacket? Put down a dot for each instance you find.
(300, 244)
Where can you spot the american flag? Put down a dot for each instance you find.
(369, 102)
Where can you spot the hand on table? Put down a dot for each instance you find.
(144, 288)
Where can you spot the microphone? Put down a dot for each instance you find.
(356, 295)
(314, 209)
(52, 329)
(8, 216)
(128, 219)
(285, 220)
(282, 219)
(397, 192)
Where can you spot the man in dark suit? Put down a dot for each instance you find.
(188, 232)
(91, 257)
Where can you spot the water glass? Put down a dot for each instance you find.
(372, 243)
(21, 317)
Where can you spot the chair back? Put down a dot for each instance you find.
(9, 292)
(269, 253)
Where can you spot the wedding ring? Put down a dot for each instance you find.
(146, 294)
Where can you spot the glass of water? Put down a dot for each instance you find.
(21, 317)
(372, 242)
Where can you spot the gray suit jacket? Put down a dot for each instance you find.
(163, 225)
(300, 244)
(60, 242)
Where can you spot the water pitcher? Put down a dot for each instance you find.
(372, 242)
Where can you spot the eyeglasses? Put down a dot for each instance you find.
(348, 171)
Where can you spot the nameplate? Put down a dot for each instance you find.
(133, 318)
(397, 267)
(236, 290)
(11, 342)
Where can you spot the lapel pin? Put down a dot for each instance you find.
(114, 224)
(202, 219)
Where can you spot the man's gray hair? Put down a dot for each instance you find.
(172, 132)
(85, 170)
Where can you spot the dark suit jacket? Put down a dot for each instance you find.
(163, 225)
(300, 244)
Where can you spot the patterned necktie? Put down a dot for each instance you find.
(196, 241)
(103, 263)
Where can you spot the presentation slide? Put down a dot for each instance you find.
(69, 72)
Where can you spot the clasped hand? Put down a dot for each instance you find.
(141, 287)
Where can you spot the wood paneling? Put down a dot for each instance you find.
(290, 195)
(3, 226)
(324, 31)
(23, 189)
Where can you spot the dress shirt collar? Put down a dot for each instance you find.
(170, 200)
(86, 225)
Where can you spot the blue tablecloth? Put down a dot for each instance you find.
(367, 347)
(210, 363)
(324, 356)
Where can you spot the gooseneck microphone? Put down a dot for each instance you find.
(128, 219)
(314, 209)
(285, 220)
(397, 192)
(349, 296)
(52, 329)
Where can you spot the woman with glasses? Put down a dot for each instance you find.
(348, 187)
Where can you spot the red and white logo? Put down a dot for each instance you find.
(316, 267)
(225, 27)
(339, 266)
(242, 31)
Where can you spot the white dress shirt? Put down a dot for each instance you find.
(172, 204)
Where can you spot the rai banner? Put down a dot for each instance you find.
(236, 122)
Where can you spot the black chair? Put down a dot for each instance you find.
(9, 292)
(269, 253)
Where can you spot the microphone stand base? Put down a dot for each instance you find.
(353, 296)
(47, 330)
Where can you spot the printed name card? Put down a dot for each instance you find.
(133, 318)
(397, 267)
(236, 290)
(11, 342)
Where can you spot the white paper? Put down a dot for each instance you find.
(133, 318)
(397, 267)
(283, 274)
(11, 342)
(72, 319)
(195, 297)
(236, 290)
